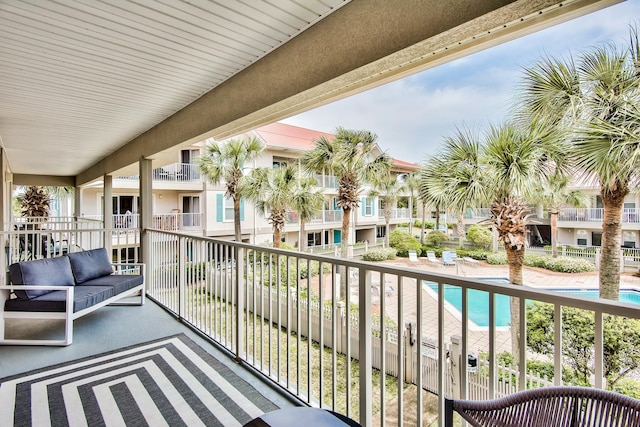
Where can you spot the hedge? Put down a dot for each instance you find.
(379, 254)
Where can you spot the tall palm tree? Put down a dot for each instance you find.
(272, 190)
(307, 200)
(387, 188)
(462, 179)
(594, 102)
(412, 185)
(351, 156)
(226, 161)
(554, 193)
(34, 202)
(430, 191)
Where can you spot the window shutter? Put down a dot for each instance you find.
(363, 202)
(219, 207)
(241, 210)
(373, 207)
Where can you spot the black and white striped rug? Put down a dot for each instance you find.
(168, 382)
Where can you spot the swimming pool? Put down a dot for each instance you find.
(478, 301)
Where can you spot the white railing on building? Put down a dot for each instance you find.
(629, 215)
(174, 221)
(175, 172)
(400, 213)
(325, 216)
(262, 305)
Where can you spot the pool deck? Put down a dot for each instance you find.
(478, 337)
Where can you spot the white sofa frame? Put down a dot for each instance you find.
(69, 315)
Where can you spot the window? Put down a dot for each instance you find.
(381, 231)
(313, 239)
(367, 206)
(224, 208)
(582, 237)
(228, 209)
(629, 239)
(596, 239)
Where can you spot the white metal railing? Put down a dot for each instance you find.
(327, 181)
(37, 243)
(175, 172)
(478, 213)
(629, 215)
(286, 314)
(169, 221)
(324, 216)
(400, 213)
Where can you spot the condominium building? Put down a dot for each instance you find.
(183, 200)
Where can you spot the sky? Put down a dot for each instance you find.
(421, 110)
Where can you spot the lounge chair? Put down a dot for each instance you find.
(561, 406)
(431, 257)
(413, 256)
(447, 258)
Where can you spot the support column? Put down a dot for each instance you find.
(5, 212)
(107, 212)
(146, 206)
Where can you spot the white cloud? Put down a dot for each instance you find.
(413, 115)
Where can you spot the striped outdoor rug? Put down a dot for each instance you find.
(170, 382)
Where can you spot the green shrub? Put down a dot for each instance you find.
(436, 237)
(288, 246)
(437, 250)
(379, 254)
(560, 264)
(628, 387)
(403, 242)
(497, 259)
(479, 235)
(479, 254)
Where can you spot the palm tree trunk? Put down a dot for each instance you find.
(411, 214)
(387, 220)
(437, 225)
(302, 237)
(515, 257)
(554, 234)
(344, 251)
(424, 214)
(236, 219)
(611, 239)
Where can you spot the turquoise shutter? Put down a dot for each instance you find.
(219, 207)
(241, 210)
(363, 201)
(373, 207)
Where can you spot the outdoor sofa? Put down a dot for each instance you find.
(66, 288)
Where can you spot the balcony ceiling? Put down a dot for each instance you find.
(89, 87)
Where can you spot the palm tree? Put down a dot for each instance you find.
(430, 192)
(272, 190)
(351, 156)
(34, 202)
(461, 179)
(226, 161)
(554, 193)
(594, 102)
(307, 200)
(412, 184)
(387, 188)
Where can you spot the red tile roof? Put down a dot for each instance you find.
(301, 139)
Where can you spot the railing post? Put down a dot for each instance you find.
(182, 267)
(240, 286)
(366, 357)
(341, 332)
(408, 341)
(456, 365)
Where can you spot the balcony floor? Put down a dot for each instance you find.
(114, 327)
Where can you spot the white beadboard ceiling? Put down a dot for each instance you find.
(79, 78)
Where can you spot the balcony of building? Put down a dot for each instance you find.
(397, 215)
(295, 319)
(175, 176)
(592, 218)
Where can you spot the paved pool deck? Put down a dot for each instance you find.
(478, 336)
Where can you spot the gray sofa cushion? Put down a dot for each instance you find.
(45, 272)
(87, 265)
(83, 297)
(120, 282)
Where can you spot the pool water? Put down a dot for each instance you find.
(478, 301)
